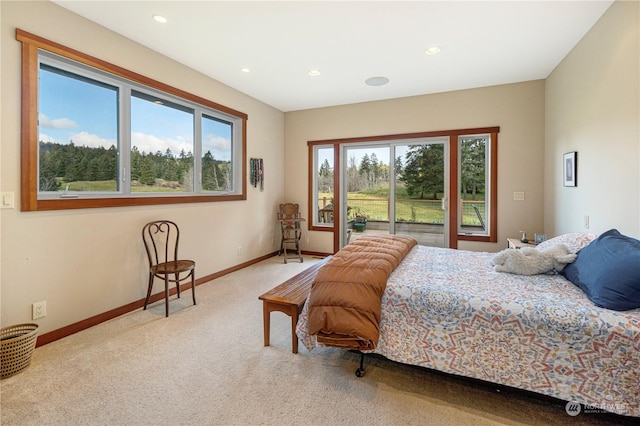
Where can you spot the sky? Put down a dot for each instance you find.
(381, 152)
(71, 109)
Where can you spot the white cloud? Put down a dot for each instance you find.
(81, 139)
(58, 123)
(219, 146)
(46, 138)
(92, 141)
(151, 144)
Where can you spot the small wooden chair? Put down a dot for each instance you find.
(290, 220)
(161, 240)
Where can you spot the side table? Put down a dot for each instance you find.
(515, 243)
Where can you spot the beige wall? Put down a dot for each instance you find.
(593, 107)
(86, 262)
(517, 108)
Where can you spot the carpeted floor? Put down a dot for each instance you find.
(206, 365)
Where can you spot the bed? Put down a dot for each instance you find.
(450, 311)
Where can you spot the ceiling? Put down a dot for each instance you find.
(482, 43)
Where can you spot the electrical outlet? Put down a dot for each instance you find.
(239, 251)
(518, 196)
(39, 310)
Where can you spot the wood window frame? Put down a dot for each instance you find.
(454, 148)
(29, 133)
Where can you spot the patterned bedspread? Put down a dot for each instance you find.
(448, 310)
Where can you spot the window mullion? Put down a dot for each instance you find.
(125, 139)
(197, 150)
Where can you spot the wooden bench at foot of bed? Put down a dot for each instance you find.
(289, 297)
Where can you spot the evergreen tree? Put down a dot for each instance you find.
(472, 166)
(325, 177)
(398, 167)
(353, 181)
(225, 170)
(170, 167)
(424, 171)
(109, 164)
(209, 173)
(185, 170)
(136, 163)
(365, 171)
(374, 170)
(147, 174)
(325, 169)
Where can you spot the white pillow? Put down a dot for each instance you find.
(574, 240)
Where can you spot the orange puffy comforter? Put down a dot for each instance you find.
(344, 304)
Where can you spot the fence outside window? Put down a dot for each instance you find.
(407, 210)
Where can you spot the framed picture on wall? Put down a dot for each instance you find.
(570, 169)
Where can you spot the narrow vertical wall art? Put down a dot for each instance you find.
(256, 170)
(570, 169)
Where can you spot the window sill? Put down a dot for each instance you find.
(91, 203)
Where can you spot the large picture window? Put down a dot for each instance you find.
(96, 135)
(77, 132)
(161, 145)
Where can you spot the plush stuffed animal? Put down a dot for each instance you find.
(531, 261)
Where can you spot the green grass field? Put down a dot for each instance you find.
(110, 186)
(377, 208)
(374, 204)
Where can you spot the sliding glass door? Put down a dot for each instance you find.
(421, 190)
(366, 190)
(396, 187)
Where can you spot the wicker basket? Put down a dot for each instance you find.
(18, 342)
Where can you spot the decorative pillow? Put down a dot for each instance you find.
(608, 271)
(574, 240)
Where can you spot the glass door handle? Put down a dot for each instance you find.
(444, 204)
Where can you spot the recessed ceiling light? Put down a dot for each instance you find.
(160, 18)
(314, 73)
(245, 69)
(376, 81)
(432, 50)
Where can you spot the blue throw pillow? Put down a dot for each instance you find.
(608, 271)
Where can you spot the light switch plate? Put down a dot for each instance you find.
(7, 200)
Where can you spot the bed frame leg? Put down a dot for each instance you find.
(360, 371)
